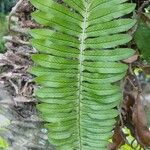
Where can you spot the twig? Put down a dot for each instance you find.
(13, 11)
(120, 116)
(24, 88)
(15, 40)
(6, 102)
(126, 140)
(14, 86)
(142, 6)
(20, 30)
(132, 83)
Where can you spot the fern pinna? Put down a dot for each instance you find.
(77, 68)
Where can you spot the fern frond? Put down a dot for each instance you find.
(77, 67)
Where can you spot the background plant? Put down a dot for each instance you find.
(6, 5)
(3, 30)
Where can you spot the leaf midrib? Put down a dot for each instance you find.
(80, 76)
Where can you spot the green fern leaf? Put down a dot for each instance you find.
(77, 68)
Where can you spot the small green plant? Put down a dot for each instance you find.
(142, 37)
(77, 68)
(3, 143)
(4, 122)
(3, 30)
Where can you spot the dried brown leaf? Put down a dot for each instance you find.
(117, 140)
(142, 132)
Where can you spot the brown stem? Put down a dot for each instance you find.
(142, 6)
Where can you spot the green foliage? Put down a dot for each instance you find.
(5, 5)
(4, 122)
(3, 30)
(3, 143)
(131, 141)
(77, 67)
(142, 38)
